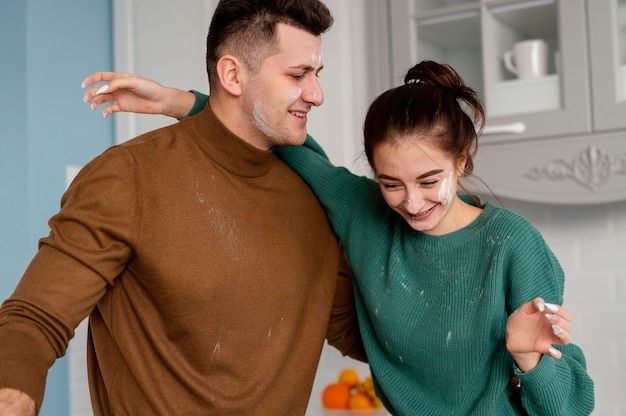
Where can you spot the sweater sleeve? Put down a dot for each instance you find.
(554, 387)
(199, 103)
(88, 245)
(343, 329)
(335, 187)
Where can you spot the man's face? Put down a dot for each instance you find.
(279, 96)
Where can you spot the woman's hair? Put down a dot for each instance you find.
(246, 28)
(433, 104)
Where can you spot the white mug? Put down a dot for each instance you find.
(528, 59)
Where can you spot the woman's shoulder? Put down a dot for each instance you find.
(509, 223)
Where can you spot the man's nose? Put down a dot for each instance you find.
(312, 93)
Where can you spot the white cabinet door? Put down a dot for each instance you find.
(607, 28)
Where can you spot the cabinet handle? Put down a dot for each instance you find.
(516, 128)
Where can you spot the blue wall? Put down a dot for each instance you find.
(46, 49)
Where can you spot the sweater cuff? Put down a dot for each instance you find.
(199, 103)
(541, 374)
(21, 367)
(21, 376)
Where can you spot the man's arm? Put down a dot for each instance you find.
(89, 244)
(343, 328)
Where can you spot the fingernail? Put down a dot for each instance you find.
(102, 89)
(557, 330)
(552, 307)
(82, 84)
(554, 352)
(552, 318)
(541, 306)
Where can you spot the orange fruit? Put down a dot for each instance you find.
(377, 402)
(349, 377)
(336, 396)
(368, 384)
(360, 401)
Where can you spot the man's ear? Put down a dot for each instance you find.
(230, 71)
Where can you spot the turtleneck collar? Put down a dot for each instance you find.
(225, 148)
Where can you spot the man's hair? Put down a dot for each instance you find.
(246, 28)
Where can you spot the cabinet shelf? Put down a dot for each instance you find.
(516, 97)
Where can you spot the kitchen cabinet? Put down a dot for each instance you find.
(557, 138)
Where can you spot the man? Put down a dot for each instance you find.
(207, 267)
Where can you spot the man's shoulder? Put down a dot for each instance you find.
(162, 144)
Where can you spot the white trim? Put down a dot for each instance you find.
(124, 60)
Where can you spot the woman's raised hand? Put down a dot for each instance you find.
(533, 329)
(135, 94)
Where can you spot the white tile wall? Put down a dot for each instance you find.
(590, 242)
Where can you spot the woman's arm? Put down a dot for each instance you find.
(135, 94)
(557, 382)
(340, 191)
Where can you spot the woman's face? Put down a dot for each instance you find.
(419, 182)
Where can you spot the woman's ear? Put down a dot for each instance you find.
(460, 165)
(230, 72)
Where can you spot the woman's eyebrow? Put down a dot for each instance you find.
(430, 173)
(422, 176)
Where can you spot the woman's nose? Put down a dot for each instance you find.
(412, 202)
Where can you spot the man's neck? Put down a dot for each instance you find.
(230, 113)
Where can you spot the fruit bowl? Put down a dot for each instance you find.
(349, 395)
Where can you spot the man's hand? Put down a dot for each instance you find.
(135, 94)
(15, 403)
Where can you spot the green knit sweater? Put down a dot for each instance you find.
(433, 309)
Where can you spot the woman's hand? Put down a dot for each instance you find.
(135, 94)
(533, 329)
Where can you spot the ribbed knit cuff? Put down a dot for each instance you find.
(20, 376)
(198, 104)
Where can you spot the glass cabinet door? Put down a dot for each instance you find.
(455, 39)
(446, 31)
(553, 101)
(607, 28)
(524, 62)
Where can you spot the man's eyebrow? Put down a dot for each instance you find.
(307, 67)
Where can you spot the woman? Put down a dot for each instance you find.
(447, 288)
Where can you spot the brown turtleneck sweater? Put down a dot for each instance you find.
(208, 270)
